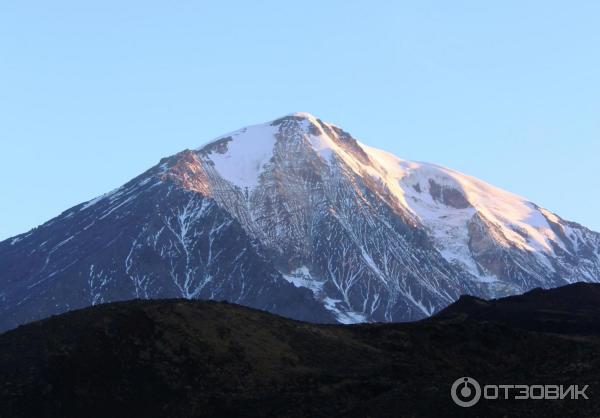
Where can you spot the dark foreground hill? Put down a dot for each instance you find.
(573, 309)
(177, 358)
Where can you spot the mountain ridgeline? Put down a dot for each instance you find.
(298, 218)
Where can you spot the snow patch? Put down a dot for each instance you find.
(301, 277)
(247, 153)
(15, 240)
(341, 315)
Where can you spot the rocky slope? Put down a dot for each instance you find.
(297, 217)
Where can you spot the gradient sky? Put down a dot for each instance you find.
(92, 93)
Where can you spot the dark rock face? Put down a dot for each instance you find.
(206, 359)
(148, 240)
(312, 225)
(448, 196)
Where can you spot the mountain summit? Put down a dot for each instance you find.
(296, 217)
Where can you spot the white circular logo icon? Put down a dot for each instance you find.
(465, 392)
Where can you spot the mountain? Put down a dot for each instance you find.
(296, 217)
(183, 358)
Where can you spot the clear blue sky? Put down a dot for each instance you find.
(94, 92)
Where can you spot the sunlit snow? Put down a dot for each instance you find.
(248, 151)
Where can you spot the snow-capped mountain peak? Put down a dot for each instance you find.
(431, 193)
(450, 205)
(297, 217)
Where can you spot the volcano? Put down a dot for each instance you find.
(296, 217)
